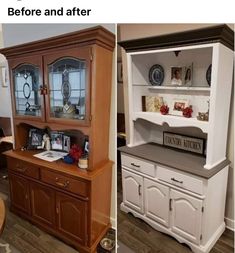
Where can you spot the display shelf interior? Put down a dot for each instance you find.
(199, 58)
(171, 120)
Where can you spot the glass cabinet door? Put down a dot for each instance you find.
(67, 80)
(26, 90)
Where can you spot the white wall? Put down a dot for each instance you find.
(14, 34)
(5, 102)
(134, 31)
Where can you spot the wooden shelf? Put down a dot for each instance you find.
(181, 88)
(171, 120)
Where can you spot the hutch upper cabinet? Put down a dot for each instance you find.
(177, 192)
(63, 84)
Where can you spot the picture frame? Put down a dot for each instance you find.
(60, 141)
(119, 72)
(152, 103)
(35, 139)
(177, 73)
(57, 140)
(66, 143)
(178, 105)
(184, 142)
(188, 75)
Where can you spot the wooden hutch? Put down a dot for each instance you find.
(178, 192)
(62, 199)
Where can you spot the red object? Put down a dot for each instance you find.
(75, 152)
(187, 112)
(164, 109)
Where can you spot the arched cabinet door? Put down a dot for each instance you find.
(26, 80)
(186, 216)
(132, 185)
(42, 204)
(157, 201)
(19, 192)
(67, 83)
(71, 217)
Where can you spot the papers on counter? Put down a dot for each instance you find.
(51, 155)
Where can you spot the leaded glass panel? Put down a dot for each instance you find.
(67, 79)
(26, 88)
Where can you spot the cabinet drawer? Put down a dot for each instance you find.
(23, 168)
(179, 179)
(138, 165)
(64, 182)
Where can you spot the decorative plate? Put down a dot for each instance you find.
(156, 75)
(208, 75)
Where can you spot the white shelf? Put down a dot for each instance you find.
(182, 88)
(171, 120)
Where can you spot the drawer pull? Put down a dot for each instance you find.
(135, 165)
(177, 181)
(18, 168)
(64, 185)
(170, 204)
(139, 190)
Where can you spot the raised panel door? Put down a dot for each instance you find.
(42, 204)
(132, 186)
(156, 201)
(71, 217)
(186, 216)
(19, 192)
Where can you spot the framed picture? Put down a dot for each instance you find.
(183, 142)
(178, 105)
(57, 140)
(188, 75)
(152, 103)
(177, 76)
(35, 138)
(119, 72)
(66, 143)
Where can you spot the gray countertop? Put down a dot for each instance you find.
(176, 159)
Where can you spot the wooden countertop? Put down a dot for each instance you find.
(59, 165)
(2, 215)
(188, 162)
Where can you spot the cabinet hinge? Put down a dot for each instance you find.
(200, 237)
(90, 118)
(202, 209)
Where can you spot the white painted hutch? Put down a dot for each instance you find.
(177, 192)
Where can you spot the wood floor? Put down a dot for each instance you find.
(141, 238)
(24, 236)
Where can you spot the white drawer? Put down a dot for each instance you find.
(184, 181)
(138, 165)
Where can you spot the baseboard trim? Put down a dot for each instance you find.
(229, 224)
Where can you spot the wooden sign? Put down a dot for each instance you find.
(183, 142)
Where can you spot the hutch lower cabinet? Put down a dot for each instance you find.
(177, 191)
(186, 205)
(63, 85)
